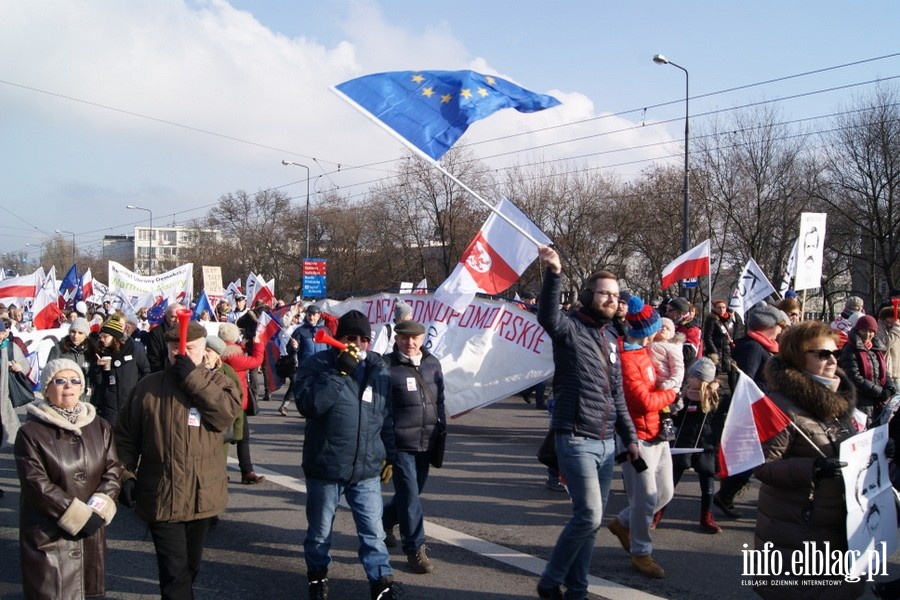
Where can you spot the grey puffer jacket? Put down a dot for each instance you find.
(587, 382)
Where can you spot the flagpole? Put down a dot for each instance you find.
(806, 437)
(437, 165)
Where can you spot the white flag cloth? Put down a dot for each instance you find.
(494, 260)
(753, 287)
(693, 263)
(790, 271)
(752, 419)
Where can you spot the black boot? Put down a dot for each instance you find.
(318, 585)
(384, 589)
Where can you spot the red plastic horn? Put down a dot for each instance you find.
(184, 319)
(895, 302)
(323, 337)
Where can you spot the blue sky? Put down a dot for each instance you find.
(171, 104)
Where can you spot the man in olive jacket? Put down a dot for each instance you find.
(169, 435)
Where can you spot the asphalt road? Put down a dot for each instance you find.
(490, 524)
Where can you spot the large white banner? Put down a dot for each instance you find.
(488, 352)
(871, 510)
(176, 285)
(810, 251)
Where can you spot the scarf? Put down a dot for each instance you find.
(69, 414)
(831, 383)
(768, 343)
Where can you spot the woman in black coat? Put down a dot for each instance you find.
(864, 360)
(119, 364)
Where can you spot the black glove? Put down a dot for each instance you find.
(887, 392)
(348, 360)
(91, 527)
(183, 366)
(826, 468)
(890, 448)
(126, 494)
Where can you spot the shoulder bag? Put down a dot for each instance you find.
(20, 388)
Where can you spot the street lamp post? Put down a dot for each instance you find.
(288, 162)
(41, 244)
(150, 248)
(73, 241)
(685, 237)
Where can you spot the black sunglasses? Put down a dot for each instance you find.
(356, 339)
(824, 354)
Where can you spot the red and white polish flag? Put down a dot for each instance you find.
(752, 420)
(693, 263)
(267, 327)
(494, 260)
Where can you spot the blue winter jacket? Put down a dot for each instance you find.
(587, 381)
(349, 429)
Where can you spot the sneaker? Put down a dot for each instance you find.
(418, 561)
(554, 485)
(645, 565)
(620, 531)
(282, 410)
(318, 587)
(385, 589)
(707, 523)
(726, 506)
(252, 478)
(553, 593)
(390, 540)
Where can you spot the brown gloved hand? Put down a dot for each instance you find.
(387, 471)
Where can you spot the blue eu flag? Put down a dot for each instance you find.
(432, 109)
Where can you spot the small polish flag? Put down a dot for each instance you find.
(693, 263)
(494, 260)
(752, 419)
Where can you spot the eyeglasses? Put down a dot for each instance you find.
(64, 381)
(610, 295)
(357, 339)
(824, 354)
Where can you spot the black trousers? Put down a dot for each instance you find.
(179, 549)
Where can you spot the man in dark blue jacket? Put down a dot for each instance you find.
(590, 409)
(417, 395)
(348, 450)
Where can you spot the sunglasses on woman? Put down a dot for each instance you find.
(824, 354)
(64, 381)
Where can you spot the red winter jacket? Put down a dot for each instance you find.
(643, 399)
(235, 358)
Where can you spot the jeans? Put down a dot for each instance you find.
(243, 449)
(179, 549)
(364, 498)
(587, 465)
(405, 508)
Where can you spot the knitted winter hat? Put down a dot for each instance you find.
(866, 322)
(354, 323)
(229, 332)
(55, 366)
(81, 324)
(703, 369)
(216, 344)
(114, 326)
(402, 310)
(642, 320)
(763, 317)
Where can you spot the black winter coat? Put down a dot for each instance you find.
(587, 382)
(868, 390)
(111, 388)
(417, 413)
(750, 357)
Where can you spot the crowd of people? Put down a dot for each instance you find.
(149, 413)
